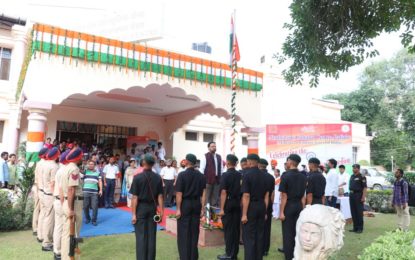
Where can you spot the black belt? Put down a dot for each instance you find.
(57, 198)
(355, 191)
(76, 198)
(191, 198)
(233, 198)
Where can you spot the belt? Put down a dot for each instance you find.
(355, 191)
(76, 198)
(57, 198)
(42, 190)
(233, 198)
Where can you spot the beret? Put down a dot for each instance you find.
(53, 154)
(263, 162)
(253, 156)
(191, 158)
(74, 155)
(314, 160)
(294, 157)
(232, 158)
(43, 152)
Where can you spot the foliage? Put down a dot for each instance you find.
(392, 245)
(327, 37)
(385, 102)
(408, 176)
(14, 216)
(380, 200)
(364, 163)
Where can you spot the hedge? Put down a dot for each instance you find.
(391, 246)
(380, 200)
(14, 216)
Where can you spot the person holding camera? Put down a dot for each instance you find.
(147, 191)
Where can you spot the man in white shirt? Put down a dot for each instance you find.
(111, 172)
(211, 166)
(161, 152)
(343, 180)
(332, 184)
(168, 175)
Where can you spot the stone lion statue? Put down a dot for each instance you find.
(319, 233)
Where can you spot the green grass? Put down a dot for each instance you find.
(22, 245)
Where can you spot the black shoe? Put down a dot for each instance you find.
(57, 256)
(94, 223)
(224, 257)
(39, 240)
(47, 248)
(352, 230)
(87, 221)
(35, 234)
(359, 231)
(281, 250)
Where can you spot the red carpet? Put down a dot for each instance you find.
(167, 212)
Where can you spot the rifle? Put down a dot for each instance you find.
(73, 240)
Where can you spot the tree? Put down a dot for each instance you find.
(330, 36)
(385, 102)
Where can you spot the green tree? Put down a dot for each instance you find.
(330, 36)
(385, 102)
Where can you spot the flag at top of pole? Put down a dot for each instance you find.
(233, 47)
(235, 57)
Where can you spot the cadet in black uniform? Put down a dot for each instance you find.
(316, 183)
(230, 207)
(244, 166)
(147, 191)
(270, 186)
(255, 200)
(292, 188)
(190, 196)
(357, 195)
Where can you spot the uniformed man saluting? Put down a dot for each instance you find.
(292, 188)
(190, 196)
(270, 186)
(357, 195)
(147, 191)
(230, 207)
(316, 183)
(255, 201)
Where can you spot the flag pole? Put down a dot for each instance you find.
(234, 76)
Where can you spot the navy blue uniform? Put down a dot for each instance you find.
(357, 184)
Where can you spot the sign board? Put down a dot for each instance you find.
(324, 141)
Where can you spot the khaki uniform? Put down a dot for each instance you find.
(48, 179)
(71, 177)
(57, 207)
(37, 194)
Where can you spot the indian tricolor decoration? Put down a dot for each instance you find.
(80, 49)
(235, 57)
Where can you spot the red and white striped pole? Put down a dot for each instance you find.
(234, 77)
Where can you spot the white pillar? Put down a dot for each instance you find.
(19, 34)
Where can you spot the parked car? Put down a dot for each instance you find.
(375, 180)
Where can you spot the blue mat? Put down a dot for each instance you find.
(110, 222)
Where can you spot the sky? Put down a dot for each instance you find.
(259, 27)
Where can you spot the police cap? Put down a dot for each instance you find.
(263, 162)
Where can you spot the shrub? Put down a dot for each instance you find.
(392, 245)
(380, 200)
(14, 216)
(408, 176)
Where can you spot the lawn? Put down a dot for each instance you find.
(22, 245)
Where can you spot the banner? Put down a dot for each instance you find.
(324, 141)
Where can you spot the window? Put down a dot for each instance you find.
(244, 140)
(354, 154)
(208, 137)
(5, 59)
(1, 131)
(191, 136)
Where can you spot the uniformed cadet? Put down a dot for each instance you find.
(316, 183)
(147, 191)
(71, 197)
(255, 200)
(230, 207)
(48, 182)
(270, 186)
(292, 188)
(37, 194)
(357, 196)
(244, 165)
(57, 207)
(190, 196)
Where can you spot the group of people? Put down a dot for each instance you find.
(9, 176)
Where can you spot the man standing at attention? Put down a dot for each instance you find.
(292, 188)
(358, 188)
(111, 171)
(332, 184)
(230, 207)
(190, 196)
(37, 193)
(270, 184)
(400, 200)
(168, 175)
(211, 167)
(316, 183)
(255, 199)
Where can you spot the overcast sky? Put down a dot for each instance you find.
(258, 26)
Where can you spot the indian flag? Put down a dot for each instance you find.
(233, 47)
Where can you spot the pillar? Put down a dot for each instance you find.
(253, 138)
(36, 127)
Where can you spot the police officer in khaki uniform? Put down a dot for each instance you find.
(36, 197)
(48, 182)
(71, 197)
(57, 207)
(37, 214)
